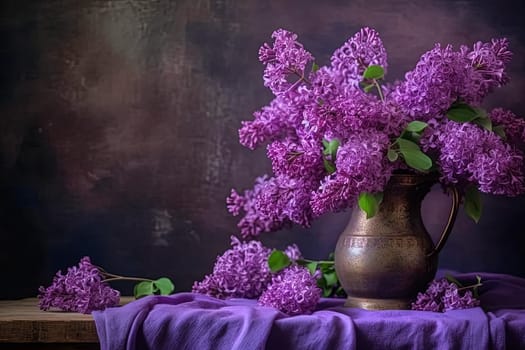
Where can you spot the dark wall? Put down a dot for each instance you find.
(118, 128)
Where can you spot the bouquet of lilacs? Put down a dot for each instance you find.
(336, 134)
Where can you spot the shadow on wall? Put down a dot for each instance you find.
(23, 221)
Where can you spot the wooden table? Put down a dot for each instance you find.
(24, 326)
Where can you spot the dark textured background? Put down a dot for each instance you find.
(118, 128)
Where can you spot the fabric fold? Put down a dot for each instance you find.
(196, 321)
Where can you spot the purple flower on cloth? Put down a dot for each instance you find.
(293, 291)
(81, 289)
(442, 295)
(453, 300)
(240, 272)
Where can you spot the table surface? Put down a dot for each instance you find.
(21, 321)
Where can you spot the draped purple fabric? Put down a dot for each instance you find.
(194, 321)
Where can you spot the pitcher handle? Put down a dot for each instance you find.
(450, 223)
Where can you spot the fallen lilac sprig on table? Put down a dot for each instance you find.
(84, 288)
(447, 294)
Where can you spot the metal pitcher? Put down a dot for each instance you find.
(384, 261)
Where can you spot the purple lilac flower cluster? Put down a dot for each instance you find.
(442, 295)
(286, 57)
(81, 289)
(365, 48)
(469, 154)
(317, 105)
(240, 272)
(243, 272)
(293, 291)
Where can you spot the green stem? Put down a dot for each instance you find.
(379, 90)
(471, 286)
(112, 277)
(316, 261)
(301, 77)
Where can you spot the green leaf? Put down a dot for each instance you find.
(481, 112)
(473, 206)
(374, 72)
(413, 155)
(164, 285)
(278, 260)
(407, 145)
(329, 166)
(500, 131)
(330, 147)
(369, 203)
(315, 67)
(327, 290)
(413, 130)
(142, 289)
(321, 283)
(330, 278)
(312, 267)
(410, 136)
(326, 266)
(417, 160)
(392, 155)
(416, 126)
(462, 113)
(484, 122)
(413, 136)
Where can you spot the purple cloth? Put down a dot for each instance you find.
(194, 321)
